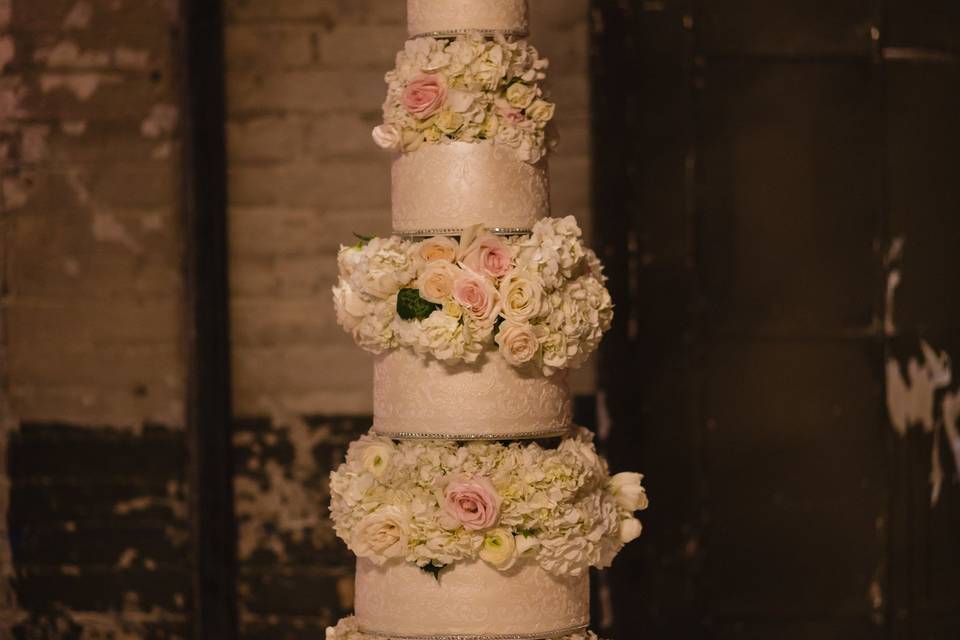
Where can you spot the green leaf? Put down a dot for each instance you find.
(410, 306)
(434, 570)
(362, 240)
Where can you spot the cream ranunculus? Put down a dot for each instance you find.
(449, 121)
(436, 281)
(438, 248)
(541, 111)
(627, 489)
(518, 342)
(499, 549)
(630, 530)
(381, 535)
(375, 455)
(520, 95)
(387, 136)
(521, 296)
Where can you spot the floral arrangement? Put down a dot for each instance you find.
(437, 502)
(539, 299)
(467, 88)
(348, 629)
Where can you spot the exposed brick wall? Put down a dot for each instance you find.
(91, 369)
(305, 85)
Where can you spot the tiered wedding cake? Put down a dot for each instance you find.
(474, 506)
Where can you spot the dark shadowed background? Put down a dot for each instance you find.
(775, 190)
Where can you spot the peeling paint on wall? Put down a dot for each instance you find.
(918, 393)
(279, 503)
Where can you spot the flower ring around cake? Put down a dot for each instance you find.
(539, 300)
(435, 503)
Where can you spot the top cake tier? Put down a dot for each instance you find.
(444, 17)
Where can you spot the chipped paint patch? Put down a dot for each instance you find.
(7, 51)
(79, 16)
(162, 120)
(910, 399)
(106, 228)
(82, 85)
(68, 55)
(132, 59)
(74, 128)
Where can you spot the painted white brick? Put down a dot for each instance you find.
(341, 184)
(288, 231)
(266, 138)
(308, 91)
(362, 47)
(266, 10)
(289, 46)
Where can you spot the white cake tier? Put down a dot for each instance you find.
(458, 16)
(400, 600)
(419, 397)
(447, 187)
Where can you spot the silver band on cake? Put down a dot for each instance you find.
(559, 432)
(456, 231)
(486, 33)
(550, 635)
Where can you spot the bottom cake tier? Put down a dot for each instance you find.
(469, 600)
(348, 629)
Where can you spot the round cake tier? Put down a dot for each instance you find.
(443, 188)
(458, 16)
(399, 599)
(418, 397)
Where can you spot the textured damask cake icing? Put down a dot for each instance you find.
(472, 597)
(442, 189)
(417, 397)
(456, 16)
(474, 505)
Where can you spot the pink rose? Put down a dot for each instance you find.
(472, 502)
(424, 95)
(488, 255)
(509, 113)
(476, 295)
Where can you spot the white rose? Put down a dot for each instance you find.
(517, 341)
(436, 281)
(381, 535)
(387, 136)
(628, 491)
(630, 530)
(437, 248)
(521, 296)
(499, 549)
(520, 95)
(375, 456)
(541, 111)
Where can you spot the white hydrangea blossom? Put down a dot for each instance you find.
(489, 90)
(560, 504)
(553, 289)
